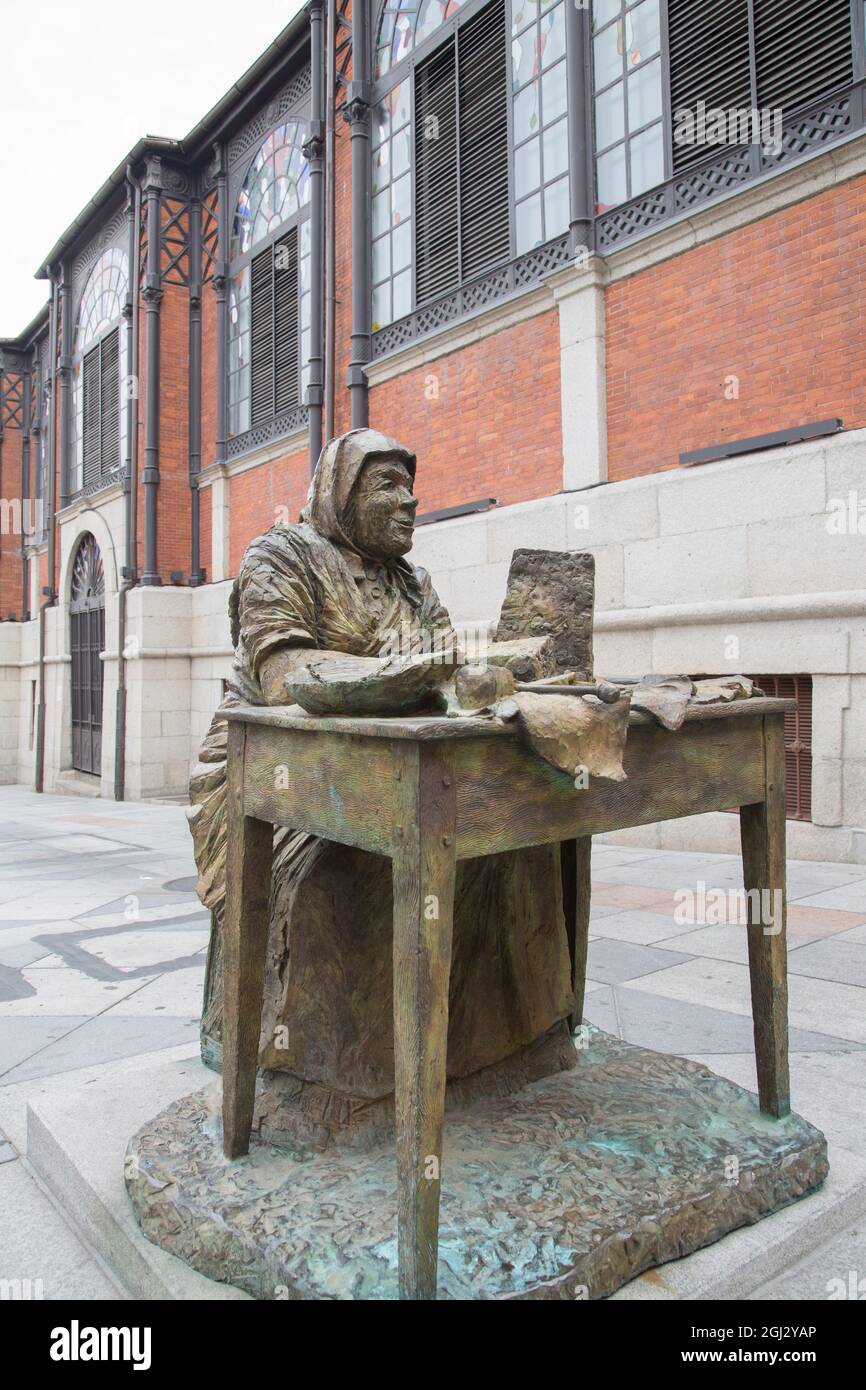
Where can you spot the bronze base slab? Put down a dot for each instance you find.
(567, 1188)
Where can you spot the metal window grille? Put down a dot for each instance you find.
(798, 741)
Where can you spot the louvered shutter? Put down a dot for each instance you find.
(798, 741)
(483, 138)
(91, 421)
(437, 199)
(802, 50)
(461, 156)
(286, 382)
(109, 401)
(709, 62)
(262, 337)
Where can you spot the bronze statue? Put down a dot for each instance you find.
(307, 596)
(567, 1170)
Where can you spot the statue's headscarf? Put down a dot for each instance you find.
(338, 470)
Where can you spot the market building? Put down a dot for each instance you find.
(600, 269)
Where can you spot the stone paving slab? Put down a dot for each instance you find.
(613, 962)
(40, 1249)
(814, 1004)
(684, 1028)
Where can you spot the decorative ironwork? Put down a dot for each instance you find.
(88, 576)
(485, 289)
(343, 50)
(209, 234)
(109, 478)
(112, 233)
(804, 133)
(255, 130)
(174, 240)
(288, 423)
(12, 390)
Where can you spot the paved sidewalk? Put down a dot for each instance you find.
(102, 945)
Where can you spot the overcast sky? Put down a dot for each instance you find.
(81, 83)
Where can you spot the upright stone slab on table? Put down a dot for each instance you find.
(552, 592)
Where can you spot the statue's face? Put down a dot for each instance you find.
(383, 509)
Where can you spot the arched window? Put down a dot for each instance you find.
(86, 642)
(470, 143)
(403, 25)
(269, 304)
(99, 369)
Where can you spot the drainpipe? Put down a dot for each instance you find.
(578, 57)
(314, 150)
(196, 574)
(48, 590)
(330, 290)
(64, 372)
(26, 510)
(2, 436)
(220, 284)
(152, 296)
(357, 113)
(130, 475)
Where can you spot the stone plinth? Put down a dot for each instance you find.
(567, 1188)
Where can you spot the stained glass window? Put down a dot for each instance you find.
(103, 297)
(99, 315)
(628, 99)
(276, 187)
(539, 121)
(275, 191)
(404, 24)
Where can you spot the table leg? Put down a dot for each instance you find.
(245, 936)
(424, 868)
(576, 857)
(762, 830)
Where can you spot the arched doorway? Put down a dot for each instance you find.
(87, 638)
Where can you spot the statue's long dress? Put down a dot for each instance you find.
(328, 994)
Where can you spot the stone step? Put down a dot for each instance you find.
(76, 1141)
(71, 783)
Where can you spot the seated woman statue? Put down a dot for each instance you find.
(337, 583)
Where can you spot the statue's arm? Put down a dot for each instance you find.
(329, 682)
(284, 663)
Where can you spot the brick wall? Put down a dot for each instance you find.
(779, 305)
(272, 492)
(11, 552)
(485, 420)
(208, 374)
(174, 497)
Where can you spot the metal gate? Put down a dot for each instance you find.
(87, 639)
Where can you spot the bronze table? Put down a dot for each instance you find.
(430, 791)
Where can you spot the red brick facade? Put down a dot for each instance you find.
(485, 420)
(774, 312)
